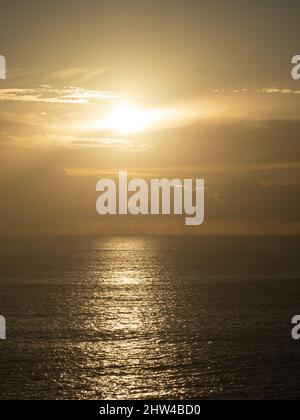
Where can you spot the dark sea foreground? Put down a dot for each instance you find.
(149, 317)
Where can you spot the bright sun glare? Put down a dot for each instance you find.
(127, 118)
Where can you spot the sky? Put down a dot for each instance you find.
(198, 89)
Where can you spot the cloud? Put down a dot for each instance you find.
(38, 197)
(58, 141)
(77, 142)
(278, 90)
(250, 200)
(50, 95)
(272, 89)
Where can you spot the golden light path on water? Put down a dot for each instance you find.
(132, 319)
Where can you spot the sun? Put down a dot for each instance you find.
(127, 118)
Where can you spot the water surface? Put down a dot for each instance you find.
(149, 317)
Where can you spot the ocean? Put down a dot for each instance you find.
(171, 317)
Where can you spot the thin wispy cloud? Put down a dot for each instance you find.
(272, 89)
(278, 90)
(78, 142)
(59, 141)
(48, 94)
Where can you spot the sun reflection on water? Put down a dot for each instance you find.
(131, 345)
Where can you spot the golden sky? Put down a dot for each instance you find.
(170, 88)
